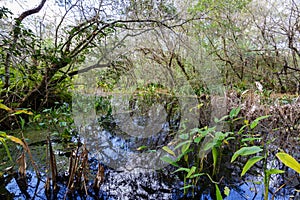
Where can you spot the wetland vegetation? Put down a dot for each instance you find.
(150, 99)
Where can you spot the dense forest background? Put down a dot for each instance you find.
(43, 48)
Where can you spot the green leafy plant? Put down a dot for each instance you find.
(254, 150)
(258, 153)
(3, 140)
(57, 119)
(191, 167)
(4, 137)
(191, 144)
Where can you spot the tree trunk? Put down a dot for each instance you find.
(35, 98)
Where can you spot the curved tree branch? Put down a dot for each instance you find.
(31, 11)
(16, 32)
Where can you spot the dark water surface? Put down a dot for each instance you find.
(137, 183)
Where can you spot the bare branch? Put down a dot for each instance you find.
(31, 11)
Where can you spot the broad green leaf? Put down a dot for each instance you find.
(250, 139)
(289, 161)
(274, 171)
(182, 169)
(262, 117)
(253, 124)
(198, 139)
(234, 112)
(184, 136)
(192, 171)
(168, 150)
(215, 156)
(250, 163)
(169, 160)
(218, 193)
(4, 107)
(182, 143)
(244, 151)
(141, 148)
(194, 130)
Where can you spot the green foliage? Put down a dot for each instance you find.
(4, 137)
(57, 119)
(218, 193)
(226, 191)
(217, 5)
(250, 163)
(233, 42)
(247, 150)
(244, 151)
(189, 145)
(255, 122)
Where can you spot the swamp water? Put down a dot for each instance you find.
(128, 183)
(125, 184)
(129, 162)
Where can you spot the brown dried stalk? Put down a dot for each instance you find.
(99, 178)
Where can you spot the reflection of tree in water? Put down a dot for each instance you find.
(114, 145)
(151, 115)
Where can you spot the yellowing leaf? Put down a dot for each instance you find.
(289, 161)
(23, 111)
(226, 191)
(4, 107)
(225, 142)
(17, 140)
(141, 148)
(167, 149)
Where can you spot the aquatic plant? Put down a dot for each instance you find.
(58, 120)
(191, 167)
(193, 143)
